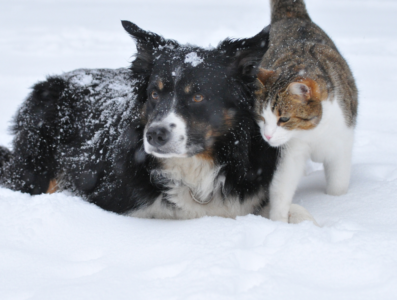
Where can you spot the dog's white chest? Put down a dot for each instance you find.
(195, 190)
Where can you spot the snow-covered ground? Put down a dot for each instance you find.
(60, 247)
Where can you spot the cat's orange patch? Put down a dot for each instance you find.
(263, 75)
(301, 103)
(318, 92)
(53, 187)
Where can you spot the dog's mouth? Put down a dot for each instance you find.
(158, 152)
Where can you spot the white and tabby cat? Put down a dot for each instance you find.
(307, 104)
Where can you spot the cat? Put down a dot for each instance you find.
(306, 105)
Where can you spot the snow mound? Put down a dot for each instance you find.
(60, 247)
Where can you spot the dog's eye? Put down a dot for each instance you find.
(198, 98)
(284, 119)
(155, 95)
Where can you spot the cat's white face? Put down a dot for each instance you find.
(274, 134)
(290, 111)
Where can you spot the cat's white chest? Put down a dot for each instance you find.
(330, 134)
(329, 143)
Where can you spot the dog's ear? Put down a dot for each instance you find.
(147, 44)
(145, 40)
(246, 54)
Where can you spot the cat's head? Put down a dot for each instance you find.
(286, 106)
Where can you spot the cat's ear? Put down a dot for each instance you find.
(147, 43)
(305, 89)
(301, 90)
(263, 75)
(246, 54)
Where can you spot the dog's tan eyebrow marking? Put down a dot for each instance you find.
(188, 88)
(160, 84)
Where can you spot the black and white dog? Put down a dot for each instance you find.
(174, 136)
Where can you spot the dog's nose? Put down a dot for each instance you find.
(157, 136)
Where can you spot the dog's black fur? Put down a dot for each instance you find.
(86, 128)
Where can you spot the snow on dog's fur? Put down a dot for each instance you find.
(172, 137)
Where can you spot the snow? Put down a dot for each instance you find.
(60, 247)
(193, 59)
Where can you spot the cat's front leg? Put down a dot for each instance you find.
(337, 173)
(338, 168)
(285, 181)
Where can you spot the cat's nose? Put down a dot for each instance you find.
(268, 136)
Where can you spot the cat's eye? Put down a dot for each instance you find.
(284, 119)
(198, 98)
(155, 95)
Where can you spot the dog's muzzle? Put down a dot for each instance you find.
(166, 137)
(158, 136)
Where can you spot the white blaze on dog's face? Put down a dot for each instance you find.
(165, 134)
(166, 137)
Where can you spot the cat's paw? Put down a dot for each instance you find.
(298, 214)
(336, 191)
(277, 216)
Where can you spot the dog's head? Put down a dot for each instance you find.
(192, 95)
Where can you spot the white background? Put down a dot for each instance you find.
(59, 247)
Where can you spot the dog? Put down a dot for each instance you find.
(172, 137)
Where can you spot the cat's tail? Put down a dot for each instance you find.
(288, 9)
